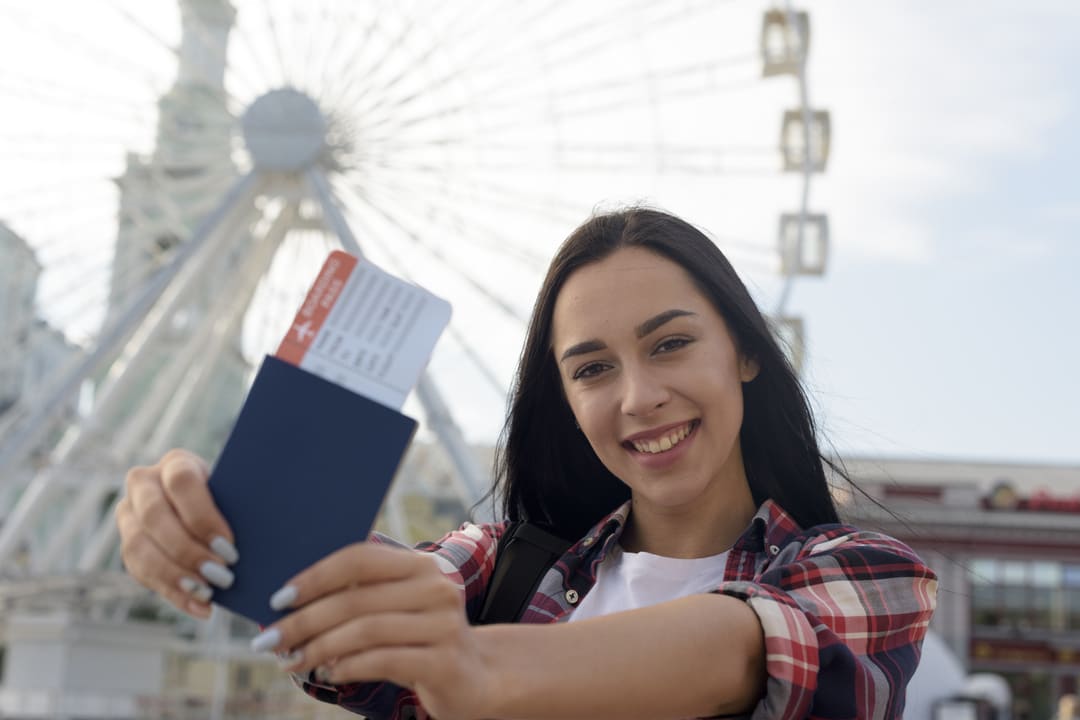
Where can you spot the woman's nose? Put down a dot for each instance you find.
(643, 392)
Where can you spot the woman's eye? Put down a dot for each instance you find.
(588, 371)
(671, 344)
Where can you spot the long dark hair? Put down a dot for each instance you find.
(547, 473)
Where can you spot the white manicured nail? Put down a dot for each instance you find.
(283, 598)
(266, 640)
(225, 549)
(196, 589)
(216, 574)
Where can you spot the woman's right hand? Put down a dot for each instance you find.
(173, 539)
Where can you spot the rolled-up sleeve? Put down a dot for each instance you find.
(843, 624)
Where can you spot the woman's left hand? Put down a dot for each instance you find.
(371, 613)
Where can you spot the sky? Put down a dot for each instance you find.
(945, 325)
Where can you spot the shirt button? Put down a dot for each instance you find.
(572, 597)
(774, 550)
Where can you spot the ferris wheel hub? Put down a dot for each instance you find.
(284, 131)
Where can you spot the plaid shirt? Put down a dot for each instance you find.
(844, 612)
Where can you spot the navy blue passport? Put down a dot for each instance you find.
(303, 473)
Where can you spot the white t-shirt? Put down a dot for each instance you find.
(627, 580)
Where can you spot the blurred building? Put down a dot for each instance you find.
(19, 270)
(163, 199)
(33, 350)
(1004, 540)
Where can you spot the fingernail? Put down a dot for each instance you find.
(217, 574)
(266, 640)
(287, 660)
(196, 589)
(283, 598)
(198, 610)
(225, 549)
(323, 674)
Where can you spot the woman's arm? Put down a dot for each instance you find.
(697, 656)
(376, 613)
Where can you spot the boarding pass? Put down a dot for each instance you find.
(366, 330)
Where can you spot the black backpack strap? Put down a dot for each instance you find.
(524, 555)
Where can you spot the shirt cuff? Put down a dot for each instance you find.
(791, 653)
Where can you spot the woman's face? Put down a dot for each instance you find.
(654, 379)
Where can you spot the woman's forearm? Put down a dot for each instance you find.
(698, 656)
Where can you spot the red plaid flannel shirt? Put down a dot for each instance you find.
(844, 612)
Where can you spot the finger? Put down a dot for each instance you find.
(147, 564)
(356, 564)
(398, 665)
(184, 479)
(157, 518)
(363, 634)
(416, 594)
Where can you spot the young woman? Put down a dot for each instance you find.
(656, 419)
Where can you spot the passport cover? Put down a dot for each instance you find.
(303, 473)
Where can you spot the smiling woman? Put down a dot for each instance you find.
(657, 425)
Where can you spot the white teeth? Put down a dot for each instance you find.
(663, 444)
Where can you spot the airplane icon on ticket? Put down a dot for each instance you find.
(303, 331)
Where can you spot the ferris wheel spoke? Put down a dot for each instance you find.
(361, 97)
(386, 99)
(602, 25)
(275, 39)
(378, 205)
(34, 90)
(482, 366)
(316, 37)
(573, 55)
(331, 91)
(57, 35)
(486, 189)
(451, 197)
(331, 66)
(383, 94)
(467, 67)
(400, 268)
(573, 102)
(447, 202)
(261, 77)
(667, 160)
(67, 182)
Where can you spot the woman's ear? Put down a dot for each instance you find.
(748, 368)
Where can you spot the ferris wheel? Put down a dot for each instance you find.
(181, 169)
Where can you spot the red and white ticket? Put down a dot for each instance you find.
(366, 330)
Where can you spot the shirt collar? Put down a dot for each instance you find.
(771, 525)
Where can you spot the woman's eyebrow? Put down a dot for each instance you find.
(657, 320)
(582, 348)
(641, 331)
